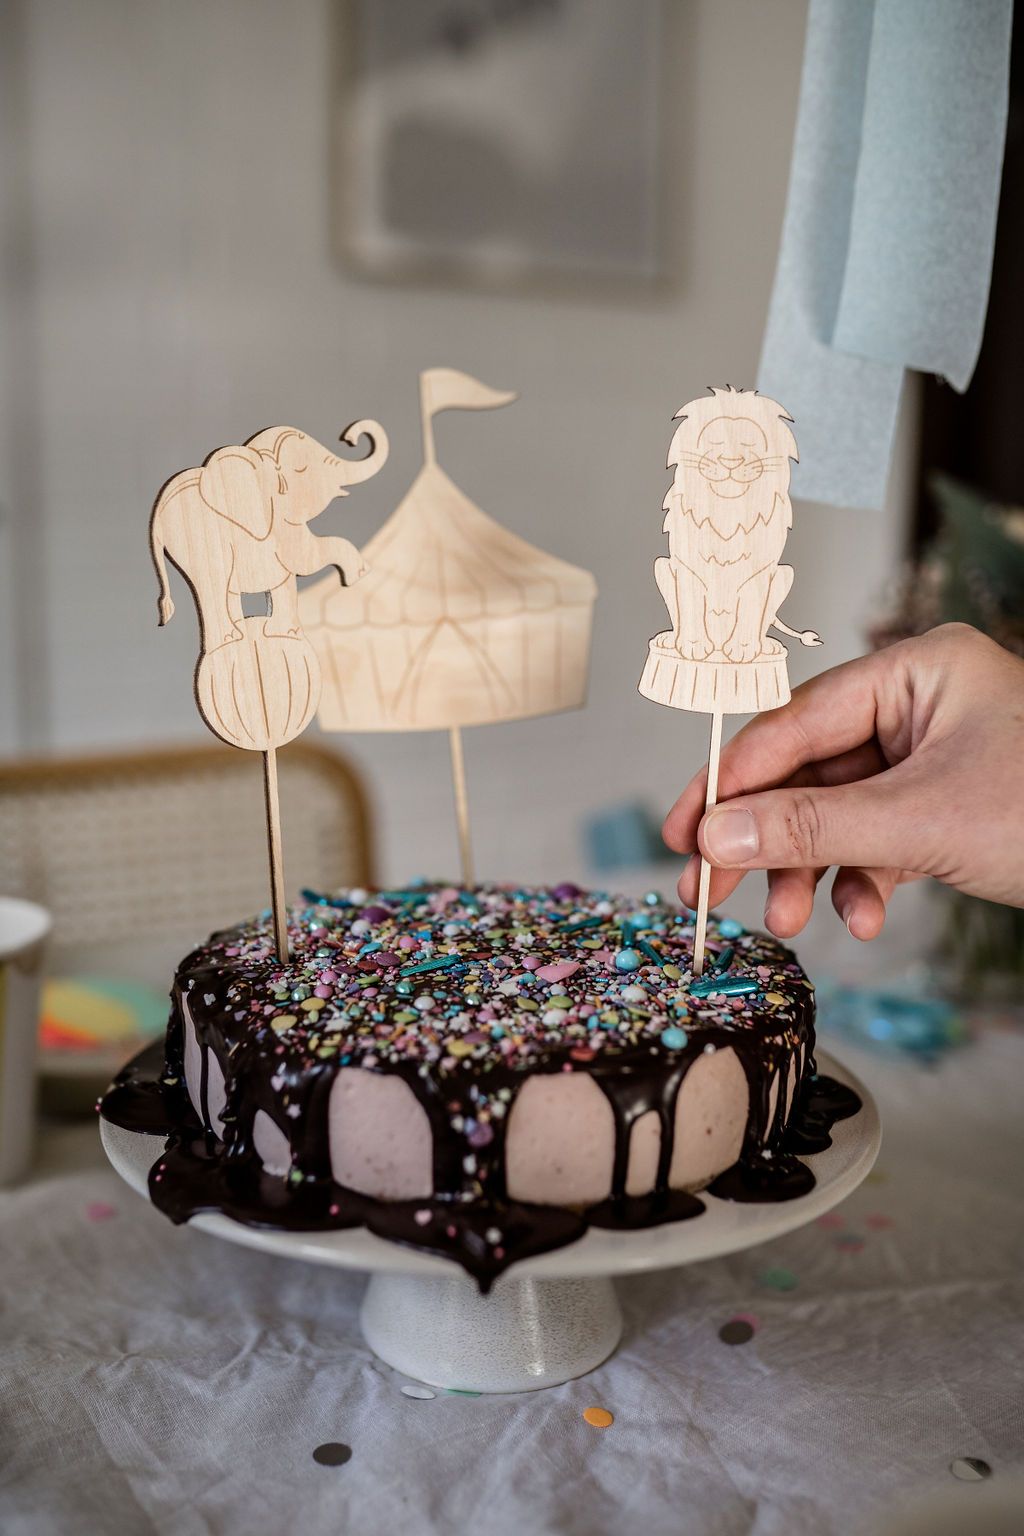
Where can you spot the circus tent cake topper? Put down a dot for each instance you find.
(237, 525)
(459, 621)
(727, 516)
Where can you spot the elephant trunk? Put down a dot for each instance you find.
(358, 470)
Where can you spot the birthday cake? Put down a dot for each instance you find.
(483, 1073)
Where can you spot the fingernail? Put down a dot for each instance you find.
(848, 912)
(768, 911)
(730, 837)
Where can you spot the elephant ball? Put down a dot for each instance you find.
(259, 691)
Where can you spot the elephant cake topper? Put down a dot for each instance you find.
(239, 525)
(460, 622)
(727, 516)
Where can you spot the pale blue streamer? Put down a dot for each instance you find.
(894, 106)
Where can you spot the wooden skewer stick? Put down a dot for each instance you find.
(461, 806)
(274, 848)
(700, 932)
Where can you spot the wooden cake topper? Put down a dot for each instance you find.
(727, 516)
(459, 622)
(238, 525)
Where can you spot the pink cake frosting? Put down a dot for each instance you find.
(447, 1066)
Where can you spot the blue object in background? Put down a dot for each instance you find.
(895, 1020)
(625, 837)
(886, 251)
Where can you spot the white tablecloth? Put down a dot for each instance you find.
(158, 1380)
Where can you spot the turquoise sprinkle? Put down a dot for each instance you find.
(651, 953)
(588, 922)
(627, 960)
(320, 900)
(723, 961)
(736, 986)
(673, 1038)
(729, 928)
(497, 1032)
(703, 986)
(371, 948)
(445, 963)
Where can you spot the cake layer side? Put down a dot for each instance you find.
(523, 1072)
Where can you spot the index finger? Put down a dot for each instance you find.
(833, 713)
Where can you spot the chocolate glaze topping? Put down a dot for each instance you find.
(465, 996)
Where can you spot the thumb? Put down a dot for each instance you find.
(871, 823)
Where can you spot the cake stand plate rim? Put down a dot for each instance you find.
(725, 1226)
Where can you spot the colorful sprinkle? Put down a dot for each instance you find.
(738, 1330)
(628, 960)
(673, 1038)
(778, 1279)
(100, 1210)
(332, 1454)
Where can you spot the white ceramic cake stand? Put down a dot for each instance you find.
(550, 1318)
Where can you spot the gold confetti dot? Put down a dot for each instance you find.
(600, 1418)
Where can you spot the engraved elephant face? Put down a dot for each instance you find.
(310, 476)
(283, 473)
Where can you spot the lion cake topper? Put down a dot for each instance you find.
(727, 517)
(238, 525)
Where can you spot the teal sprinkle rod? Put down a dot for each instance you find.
(649, 950)
(445, 963)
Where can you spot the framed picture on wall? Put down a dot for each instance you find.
(500, 142)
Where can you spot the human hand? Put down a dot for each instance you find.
(905, 763)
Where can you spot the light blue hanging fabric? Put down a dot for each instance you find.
(887, 242)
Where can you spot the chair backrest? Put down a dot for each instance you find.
(140, 856)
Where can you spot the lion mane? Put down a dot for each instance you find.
(689, 500)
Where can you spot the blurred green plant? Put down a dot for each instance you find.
(972, 573)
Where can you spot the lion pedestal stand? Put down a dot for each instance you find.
(716, 686)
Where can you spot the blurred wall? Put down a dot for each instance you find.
(168, 285)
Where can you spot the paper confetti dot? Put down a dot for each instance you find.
(877, 1222)
(778, 1279)
(970, 1469)
(422, 1394)
(100, 1210)
(332, 1453)
(738, 1330)
(831, 1219)
(599, 1418)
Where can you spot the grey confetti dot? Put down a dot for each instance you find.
(738, 1331)
(970, 1469)
(332, 1453)
(422, 1394)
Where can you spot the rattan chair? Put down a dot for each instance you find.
(141, 855)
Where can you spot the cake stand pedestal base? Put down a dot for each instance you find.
(527, 1333)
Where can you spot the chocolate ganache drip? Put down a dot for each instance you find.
(466, 996)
